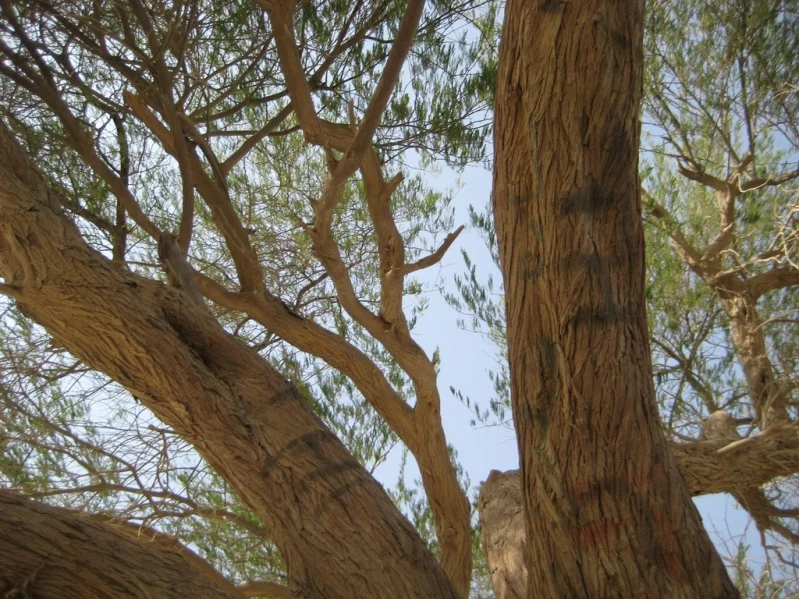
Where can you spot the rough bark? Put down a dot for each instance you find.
(419, 427)
(724, 467)
(50, 552)
(339, 532)
(607, 513)
(720, 463)
(502, 531)
(159, 108)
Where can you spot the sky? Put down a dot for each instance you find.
(466, 358)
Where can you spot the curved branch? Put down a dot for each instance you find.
(237, 410)
(388, 79)
(718, 466)
(435, 257)
(773, 279)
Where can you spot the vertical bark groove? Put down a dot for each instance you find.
(607, 513)
(502, 530)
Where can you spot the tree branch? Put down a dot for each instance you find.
(306, 335)
(216, 197)
(775, 278)
(767, 181)
(435, 257)
(253, 140)
(388, 78)
(427, 442)
(263, 588)
(58, 553)
(687, 252)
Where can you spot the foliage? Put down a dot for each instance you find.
(70, 73)
(720, 113)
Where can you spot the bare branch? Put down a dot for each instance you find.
(722, 240)
(741, 168)
(435, 257)
(166, 83)
(768, 181)
(704, 178)
(216, 197)
(120, 234)
(252, 141)
(199, 139)
(687, 252)
(281, 16)
(308, 336)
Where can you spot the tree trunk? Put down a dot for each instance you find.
(607, 513)
(719, 463)
(339, 532)
(46, 552)
(502, 531)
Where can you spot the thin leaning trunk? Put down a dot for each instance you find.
(769, 394)
(335, 526)
(607, 513)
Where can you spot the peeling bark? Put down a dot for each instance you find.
(47, 552)
(607, 513)
(339, 532)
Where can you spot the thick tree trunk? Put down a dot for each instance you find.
(339, 532)
(719, 463)
(607, 513)
(46, 552)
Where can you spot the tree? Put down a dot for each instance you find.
(606, 510)
(169, 141)
(725, 202)
(718, 93)
(112, 83)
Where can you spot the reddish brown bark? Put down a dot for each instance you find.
(339, 532)
(607, 513)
